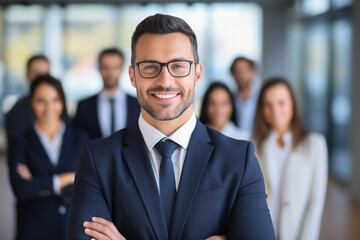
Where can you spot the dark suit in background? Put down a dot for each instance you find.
(19, 119)
(221, 191)
(87, 119)
(41, 214)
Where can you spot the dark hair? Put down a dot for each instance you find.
(163, 24)
(35, 58)
(262, 129)
(112, 50)
(251, 63)
(204, 117)
(47, 79)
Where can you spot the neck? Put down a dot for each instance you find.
(111, 90)
(280, 136)
(244, 93)
(217, 127)
(50, 128)
(170, 126)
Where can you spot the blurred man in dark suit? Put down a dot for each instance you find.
(21, 117)
(111, 109)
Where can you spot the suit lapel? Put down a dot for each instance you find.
(39, 150)
(66, 145)
(94, 103)
(138, 161)
(194, 166)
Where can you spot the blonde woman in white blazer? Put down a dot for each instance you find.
(294, 163)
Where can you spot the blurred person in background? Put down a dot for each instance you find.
(21, 117)
(42, 164)
(218, 111)
(294, 163)
(111, 109)
(243, 71)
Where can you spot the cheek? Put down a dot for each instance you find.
(267, 114)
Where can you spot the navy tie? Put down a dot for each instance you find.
(167, 178)
(112, 116)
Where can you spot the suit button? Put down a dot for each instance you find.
(62, 210)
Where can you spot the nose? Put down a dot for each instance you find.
(164, 79)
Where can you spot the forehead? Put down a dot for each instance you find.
(45, 89)
(242, 63)
(38, 63)
(278, 91)
(110, 57)
(163, 47)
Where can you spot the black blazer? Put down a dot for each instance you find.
(86, 116)
(19, 119)
(41, 214)
(221, 190)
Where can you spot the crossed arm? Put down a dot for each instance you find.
(101, 229)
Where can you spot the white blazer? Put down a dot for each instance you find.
(303, 188)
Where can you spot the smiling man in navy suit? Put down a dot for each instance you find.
(168, 176)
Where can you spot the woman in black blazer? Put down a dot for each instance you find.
(42, 164)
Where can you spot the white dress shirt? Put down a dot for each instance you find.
(277, 162)
(231, 130)
(52, 149)
(245, 110)
(104, 111)
(181, 136)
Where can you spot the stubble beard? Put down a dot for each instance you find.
(164, 115)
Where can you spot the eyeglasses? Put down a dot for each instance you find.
(176, 68)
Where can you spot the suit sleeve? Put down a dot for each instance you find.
(78, 117)
(250, 217)
(26, 189)
(313, 214)
(88, 199)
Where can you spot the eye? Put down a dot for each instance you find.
(178, 66)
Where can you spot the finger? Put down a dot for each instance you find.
(99, 231)
(108, 224)
(95, 235)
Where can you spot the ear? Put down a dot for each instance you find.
(132, 76)
(198, 73)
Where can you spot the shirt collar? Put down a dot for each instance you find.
(287, 137)
(44, 135)
(181, 136)
(104, 95)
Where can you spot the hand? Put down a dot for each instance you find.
(101, 229)
(66, 179)
(24, 171)
(216, 238)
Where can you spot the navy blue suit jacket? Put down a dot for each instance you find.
(221, 191)
(87, 119)
(19, 119)
(41, 214)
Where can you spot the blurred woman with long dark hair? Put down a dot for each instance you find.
(218, 111)
(42, 164)
(294, 163)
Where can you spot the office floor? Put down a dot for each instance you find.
(341, 220)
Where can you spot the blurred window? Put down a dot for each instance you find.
(341, 99)
(316, 85)
(315, 7)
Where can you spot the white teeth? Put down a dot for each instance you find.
(165, 96)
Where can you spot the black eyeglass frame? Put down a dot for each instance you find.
(167, 66)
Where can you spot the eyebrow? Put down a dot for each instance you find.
(172, 59)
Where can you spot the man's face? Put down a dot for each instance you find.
(110, 70)
(37, 68)
(165, 97)
(243, 74)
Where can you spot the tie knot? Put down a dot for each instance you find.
(166, 148)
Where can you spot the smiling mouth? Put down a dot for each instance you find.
(165, 96)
